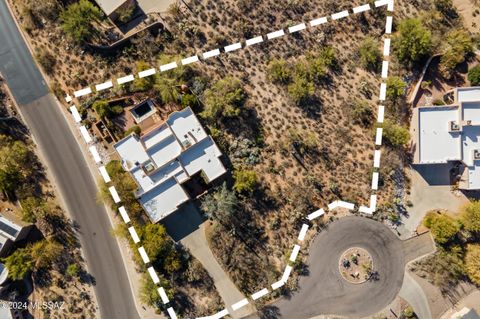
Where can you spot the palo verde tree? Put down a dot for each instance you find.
(78, 18)
(413, 42)
(224, 99)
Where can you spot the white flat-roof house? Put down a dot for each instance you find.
(112, 7)
(11, 230)
(452, 133)
(164, 158)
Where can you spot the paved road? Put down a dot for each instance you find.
(324, 291)
(69, 168)
(414, 295)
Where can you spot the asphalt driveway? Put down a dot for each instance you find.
(324, 291)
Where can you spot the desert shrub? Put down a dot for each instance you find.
(245, 181)
(413, 42)
(474, 75)
(319, 62)
(470, 216)
(443, 227)
(189, 100)
(395, 87)
(106, 110)
(394, 134)
(46, 60)
(78, 18)
(134, 129)
(472, 263)
(457, 46)
(301, 89)
(279, 71)
(370, 55)
(224, 99)
(446, 8)
(362, 113)
(145, 83)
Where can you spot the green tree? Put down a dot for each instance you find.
(33, 208)
(457, 46)
(221, 204)
(394, 134)
(470, 216)
(149, 292)
(443, 227)
(9, 182)
(102, 108)
(245, 181)
(45, 253)
(318, 63)
(19, 263)
(472, 263)
(159, 247)
(279, 71)
(189, 100)
(395, 87)
(413, 42)
(73, 270)
(78, 18)
(301, 90)
(145, 83)
(224, 99)
(370, 55)
(474, 75)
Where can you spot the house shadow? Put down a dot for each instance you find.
(137, 18)
(436, 174)
(184, 221)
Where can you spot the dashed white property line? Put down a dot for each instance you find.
(384, 69)
(388, 25)
(388, 3)
(378, 136)
(96, 156)
(294, 254)
(253, 41)
(316, 214)
(341, 204)
(259, 294)
(189, 60)
(163, 295)
(286, 273)
(172, 313)
(168, 66)
(134, 235)
(275, 34)
(296, 28)
(340, 15)
(125, 79)
(211, 53)
(381, 113)
(376, 159)
(375, 181)
(144, 255)
(123, 213)
(278, 284)
(242, 303)
(82, 92)
(146, 73)
(68, 98)
(104, 173)
(362, 8)
(233, 47)
(303, 232)
(383, 92)
(113, 192)
(103, 86)
(75, 114)
(85, 134)
(318, 21)
(153, 275)
(386, 47)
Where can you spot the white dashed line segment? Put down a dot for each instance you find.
(153, 275)
(168, 66)
(294, 254)
(381, 113)
(340, 15)
(190, 60)
(146, 73)
(233, 47)
(103, 86)
(276, 34)
(388, 25)
(384, 69)
(171, 313)
(134, 235)
(75, 114)
(303, 232)
(113, 192)
(96, 156)
(277, 284)
(296, 28)
(259, 294)
(85, 134)
(386, 47)
(253, 41)
(125, 79)
(375, 181)
(211, 54)
(362, 8)
(240, 304)
(286, 273)
(144, 255)
(82, 92)
(378, 136)
(383, 92)
(104, 173)
(376, 159)
(316, 214)
(123, 213)
(163, 295)
(318, 21)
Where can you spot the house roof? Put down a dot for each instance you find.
(165, 157)
(109, 6)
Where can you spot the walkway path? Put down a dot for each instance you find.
(414, 295)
